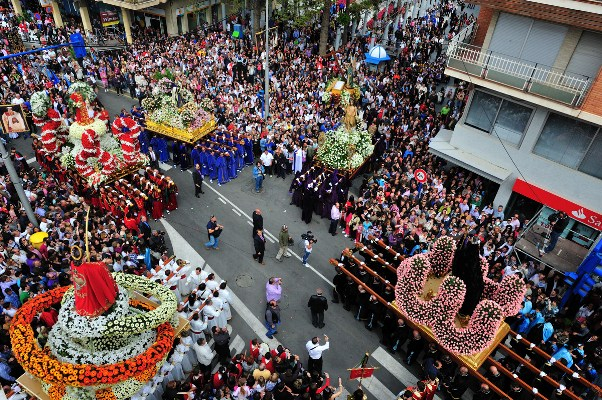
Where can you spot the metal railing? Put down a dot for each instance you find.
(538, 79)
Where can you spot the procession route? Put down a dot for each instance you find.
(185, 251)
(268, 234)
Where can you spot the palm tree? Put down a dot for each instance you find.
(325, 26)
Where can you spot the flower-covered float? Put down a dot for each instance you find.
(447, 291)
(107, 342)
(173, 112)
(348, 146)
(87, 145)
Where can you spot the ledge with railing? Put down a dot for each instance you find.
(541, 80)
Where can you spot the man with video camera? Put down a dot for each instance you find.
(309, 241)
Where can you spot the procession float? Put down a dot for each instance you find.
(98, 153)
(447, 292)
(173, 112)
(347, 147)
(108, 342)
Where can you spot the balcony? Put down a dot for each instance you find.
(541, 80)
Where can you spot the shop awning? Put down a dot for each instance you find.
(573, 210)
(442, 148)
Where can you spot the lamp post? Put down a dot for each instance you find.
(18, 182)
(267, 63)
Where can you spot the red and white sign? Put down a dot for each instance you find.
(420, 175)
(575, 211)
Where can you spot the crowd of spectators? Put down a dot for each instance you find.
(404, 107)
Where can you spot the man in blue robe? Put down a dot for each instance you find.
(222, 169)
(231, 161)
(195, 155)
(211, 160)
(248, 151)
(205, 161)
(240, 156)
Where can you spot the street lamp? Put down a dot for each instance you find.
(267, 64)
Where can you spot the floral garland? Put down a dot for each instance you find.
(499, 300)
(52, 371)
(150, 320)
(127, 131)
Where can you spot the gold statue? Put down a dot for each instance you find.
(349, 120)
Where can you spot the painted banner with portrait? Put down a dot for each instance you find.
(13, 119)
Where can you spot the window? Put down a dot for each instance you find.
(592, 163)
(497, 116)
(566, 141)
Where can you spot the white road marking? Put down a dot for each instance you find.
(222, 200)
(238, 345)
(377, 389)
(270, 239)
(164, 166)
(395, 368)
(31, 160)
(249, 222)
(236, 212)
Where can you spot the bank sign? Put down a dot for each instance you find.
(575, 211)
(108, 18)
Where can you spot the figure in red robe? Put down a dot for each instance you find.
(172, 195)
(95, 289)
(157, 210)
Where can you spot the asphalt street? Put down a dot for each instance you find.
(232, 204)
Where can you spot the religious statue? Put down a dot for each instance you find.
(94, 287)
(350, 117)
(466, 265)
(350, 71)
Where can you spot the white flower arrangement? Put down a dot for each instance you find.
(76, 130)
(335, 153)
(326, 97)
(133, 324)
(40, 103)
(84, 89)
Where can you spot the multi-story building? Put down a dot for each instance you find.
(533, 119)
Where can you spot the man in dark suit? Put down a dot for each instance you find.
(317, 304)
(153, 158)
(257, 221)
(259, 244)
(197, 177)
(145, 228)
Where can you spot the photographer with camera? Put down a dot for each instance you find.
(214, 230)
(309, 241)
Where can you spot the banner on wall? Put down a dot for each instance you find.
(573, 210)
(109, 18)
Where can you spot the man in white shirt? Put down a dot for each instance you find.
(204, 354)
(314, 349)
(335, 216)
(267, 159)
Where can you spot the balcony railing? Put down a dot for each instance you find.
(541, 80)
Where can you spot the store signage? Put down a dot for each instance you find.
(573, 210)
(108, 18)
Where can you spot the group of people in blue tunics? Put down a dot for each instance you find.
(221, 155)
